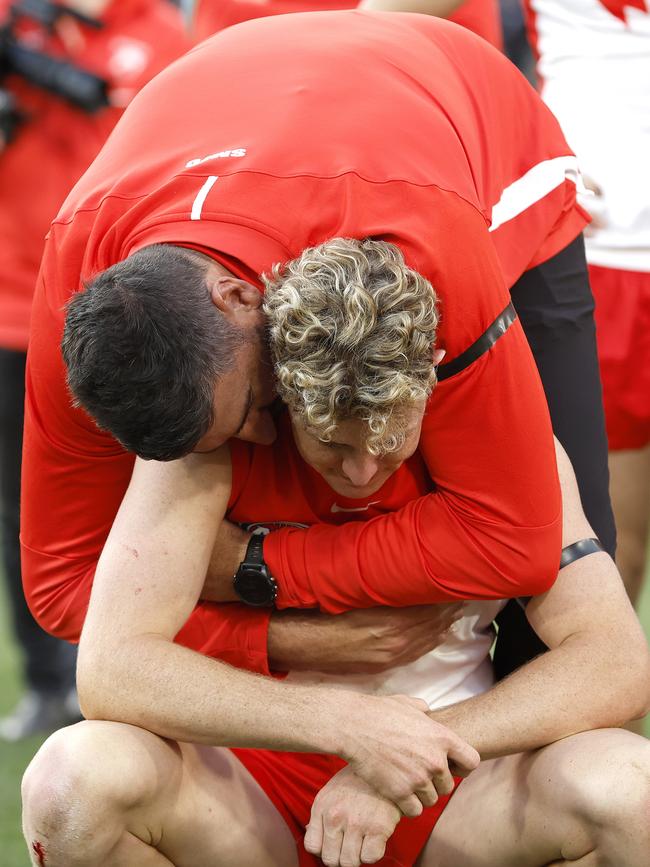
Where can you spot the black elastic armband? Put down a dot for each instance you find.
(484, 343)
(579, 550)
(570, 554)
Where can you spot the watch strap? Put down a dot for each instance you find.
(255, 550)
(253, 583)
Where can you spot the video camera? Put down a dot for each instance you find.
(69, 82)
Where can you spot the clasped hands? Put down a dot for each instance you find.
(351, 822)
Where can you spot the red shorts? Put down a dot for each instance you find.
(623, 332)
(292, 781)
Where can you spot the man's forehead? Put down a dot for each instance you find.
(355, 431)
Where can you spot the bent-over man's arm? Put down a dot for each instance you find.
(460, 542)
(491, 528)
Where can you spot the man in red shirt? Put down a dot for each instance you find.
(352, 330)
(492, 206)
(41, 159)
(252, 194)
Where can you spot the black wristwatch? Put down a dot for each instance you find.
(253, 583)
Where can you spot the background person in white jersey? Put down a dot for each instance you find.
(594, 68)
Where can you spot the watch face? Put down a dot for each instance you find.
(254, 587)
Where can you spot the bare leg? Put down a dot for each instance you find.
(629, 475)
(584, 801)
(103, 794)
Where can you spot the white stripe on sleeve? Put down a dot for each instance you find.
(533, 186)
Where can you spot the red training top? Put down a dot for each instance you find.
(58, 142)
(480, 16)
(405, 128)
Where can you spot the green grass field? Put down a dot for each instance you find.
(14, 758)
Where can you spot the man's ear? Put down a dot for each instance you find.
(438, 355)
(233, 296)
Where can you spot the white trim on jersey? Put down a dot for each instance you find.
(199, 201)
(533, 186)
(617, 258)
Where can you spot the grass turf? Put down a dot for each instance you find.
(15, 757)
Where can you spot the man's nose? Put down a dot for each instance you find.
(360, 469)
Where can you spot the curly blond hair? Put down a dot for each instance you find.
(352, 331)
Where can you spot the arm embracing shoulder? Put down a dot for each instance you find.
(491, 529)
(492, 526)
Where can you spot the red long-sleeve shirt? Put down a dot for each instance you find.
(399, 127)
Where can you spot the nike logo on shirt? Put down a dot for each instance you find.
(336, 508)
